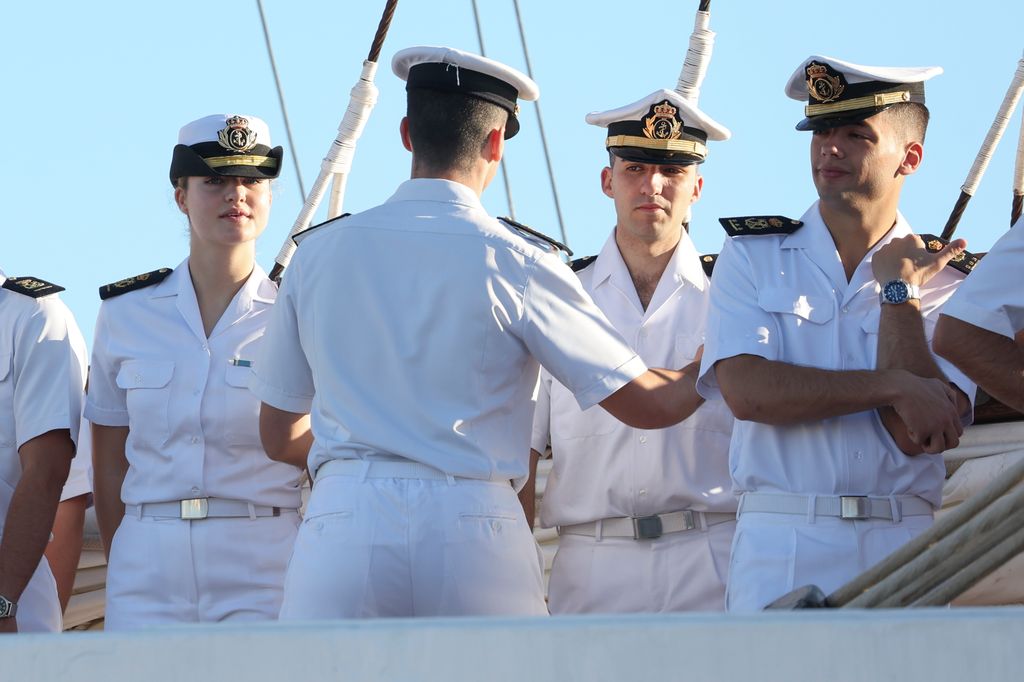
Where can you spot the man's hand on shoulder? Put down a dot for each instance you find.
(907, 258)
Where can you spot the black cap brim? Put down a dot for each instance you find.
(187, 161)
(655, 156)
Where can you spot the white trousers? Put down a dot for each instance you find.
(676, 572)
(39, 606)
(773, 554)
(217, 569)
(380, 547)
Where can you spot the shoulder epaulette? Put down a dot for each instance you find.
(745, 226)
(299, 236)
(142, 281)
(707, 261)
(534, 233)
(581, 263)
(33, 287)
(965, 262)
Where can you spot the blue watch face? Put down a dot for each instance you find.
(896, 291)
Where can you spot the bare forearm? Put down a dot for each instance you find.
(902, 343)
(286, 436)
(778, 393)
(109, 468)
(993, 361)
(65, 550)
(46, 461)
(656, 399)
(528, 495)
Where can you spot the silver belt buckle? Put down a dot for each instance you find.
(198, 508)
(854, 507)
(647, 527)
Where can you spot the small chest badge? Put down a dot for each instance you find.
(663, 122)
(824, 83)
(237, 136)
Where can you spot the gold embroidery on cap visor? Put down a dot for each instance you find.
(31, 284)
(684, 146)
(256, 161)
(868, 102)
(237, 135)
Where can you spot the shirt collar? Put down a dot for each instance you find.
(815, 235)
(257, 288)
(436, 189)
(684, 264)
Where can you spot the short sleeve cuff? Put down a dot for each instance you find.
(611, 382)
(104, 417)
(990, 320)
(35, 427)
(275, 397)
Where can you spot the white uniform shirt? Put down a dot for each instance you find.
(193, 424)
(603, 468)
(992, 297)
(786, 298)
(422, 318)
(42, 376)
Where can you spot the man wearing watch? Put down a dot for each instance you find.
(818, 339)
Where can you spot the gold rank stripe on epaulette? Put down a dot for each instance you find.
(142, 281)
(33, 287)
(534, 233)
(745, 226)
(965, 262)
(707, 261)
(302, 234)
(581, 263)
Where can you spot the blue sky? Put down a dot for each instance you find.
(94, 94)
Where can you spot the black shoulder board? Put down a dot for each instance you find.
(132, 283)
(32, 286)
(581, 263)
(965, 262)
(302, 234)
(745, 226)
(534, 233)
(707, 261)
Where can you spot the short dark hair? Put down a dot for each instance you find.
(911, 118)
(447, 129)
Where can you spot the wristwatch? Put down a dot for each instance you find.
(8, 608)
(899, 291)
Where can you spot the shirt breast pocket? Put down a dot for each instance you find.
(7, 436)
(568, 422)
(147, 385)
(243, 408)
(802, 317)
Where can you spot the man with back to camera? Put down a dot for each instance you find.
(645, 518)
(420, 372)
(818, 341)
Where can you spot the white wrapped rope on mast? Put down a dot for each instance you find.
(988, 147)
(338, 162)
(1018, 179)
(698, 55)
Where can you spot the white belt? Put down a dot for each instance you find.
(647, 527)
(204, 508)
(851, 507)
(377, 468)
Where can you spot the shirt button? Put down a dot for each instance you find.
(846, 308)
(195, 490)
(860, 456)
(138, 378)
(643, 492)
(643, 439)
(195, 439)
(196, 392)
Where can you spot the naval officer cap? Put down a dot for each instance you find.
(839, 92)
(446, 69)
(663, 128)
(225, 144)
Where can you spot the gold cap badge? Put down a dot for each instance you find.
(823, 86)
(663, 122)
(237, 136)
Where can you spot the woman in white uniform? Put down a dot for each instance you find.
(198, 523)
